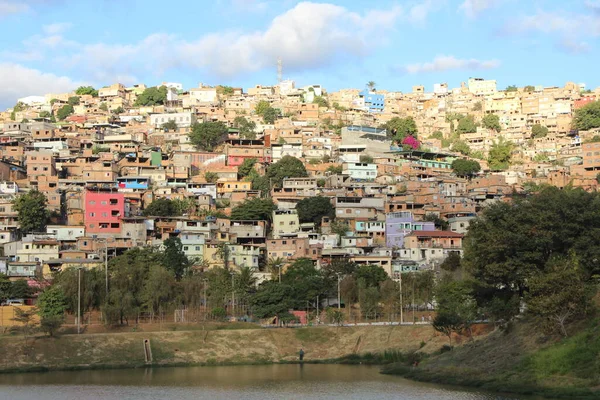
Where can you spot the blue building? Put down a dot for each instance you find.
(373, 102)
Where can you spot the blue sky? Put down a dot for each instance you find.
(56, 45)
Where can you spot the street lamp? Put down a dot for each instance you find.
(400, 290)
(279, 266)
(205, 280)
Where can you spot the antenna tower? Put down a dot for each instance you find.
(279, 70)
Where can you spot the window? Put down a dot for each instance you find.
(105, 214)
(197, 248)
(115, 225)
(92, 214)
(185, 248)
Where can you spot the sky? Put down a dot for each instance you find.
(52, 46)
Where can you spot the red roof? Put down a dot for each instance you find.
(436, 234)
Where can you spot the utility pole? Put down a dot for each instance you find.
(401, 307)
(205, 305)
(232, 294)
(317, 318)
(339, 295)
(78, 298)
(106, 266)
(413, 299)
(279, 267)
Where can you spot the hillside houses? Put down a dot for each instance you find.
(103, 167)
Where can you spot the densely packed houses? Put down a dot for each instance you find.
(107, 159)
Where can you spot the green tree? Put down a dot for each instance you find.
(321, 101)
(478, 106)
(511, 88)
(460, 146)
(452, 263)
(272, 299)
(559, 296)
(208, 135)
(371, 86)
(400, 128)
(158, 289)
(247, 128)
(369, 301)
(162, 207)
(51, 305)
(65, 111)
(246, 167)
(462, 167)
(211, 177)
(32, 211)
(306, 282)
(500, 154)
(91, 291)
(466, 124)
(5, 286)
(340, 227)
(45, 114)
(371, 275)
(313, 209)
(170, 125)
(287, 167)
(73, 100)
(119, 110)
(152, 96)
(86, 90)
(103, 107)
(587, 117)
(529, 88)
(539, 131)
(225, 90)
(439, 135)
(174, 259)
(457, 306)
(20, 289)
(492, 122)
(335, 169)
(254, 209)
(508, 245)
(270, 115)
(26, 319)
(262, 107)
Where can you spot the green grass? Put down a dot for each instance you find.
(312, 335)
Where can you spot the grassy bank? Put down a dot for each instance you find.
(522, 361)
(214, 347)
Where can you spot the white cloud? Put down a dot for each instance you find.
(8, 7)
(443, 63)
(18, 81)
(569, 29)
(472, 8)
(56, 28)
(310, 35)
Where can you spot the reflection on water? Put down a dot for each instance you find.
(239, 382)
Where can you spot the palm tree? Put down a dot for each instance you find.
(371, 85)
(273, 265)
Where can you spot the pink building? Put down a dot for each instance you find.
(103, 212)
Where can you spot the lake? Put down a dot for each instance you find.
(263, 382)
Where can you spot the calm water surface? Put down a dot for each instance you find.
(239, 382)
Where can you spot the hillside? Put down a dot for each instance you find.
(240, 346)
(523, 360)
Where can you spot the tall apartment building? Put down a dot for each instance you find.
(103, 212)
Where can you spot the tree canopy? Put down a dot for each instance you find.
(32, 211)
(86, 90)
(587, 117)
(511, 88)
(64, 111)
(152, 96)
(208, 135)
(246, 127)
(246, 167)
(461, 147)
(170, 125)
(321, 101)
(254, 209)
(270, 115)
(509, 245)
(466, 124)
(492, 122)
(313, 209)
(500, 154)
(162, 207)
(539, 131)
(287, 167)
(262, 107)
(400, 128)
(463, 167)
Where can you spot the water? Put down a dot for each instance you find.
(239, 382)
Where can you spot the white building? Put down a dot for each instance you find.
(183, 120)
(482, 87)
(360, 171)
(66, 232)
